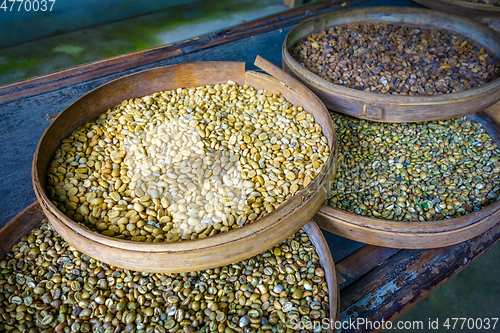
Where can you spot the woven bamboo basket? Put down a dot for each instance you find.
(415, 235)
(388, 107)
(199, 254)
(32, 216)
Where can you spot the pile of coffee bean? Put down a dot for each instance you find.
(394, 59)
(485, 2)
(187, 163)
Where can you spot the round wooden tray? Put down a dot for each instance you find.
(199, 254)
(415, 235)
(396, 108)
(461, 7)
(32, 216)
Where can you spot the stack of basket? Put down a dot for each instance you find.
(228, 248)
(393, 108)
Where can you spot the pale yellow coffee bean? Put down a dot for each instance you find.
(174, 158)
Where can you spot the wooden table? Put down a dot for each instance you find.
(376, 283)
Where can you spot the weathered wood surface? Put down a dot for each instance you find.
(23, 120)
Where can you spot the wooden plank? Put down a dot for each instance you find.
(494, 110)
(95, 69)
(24, 120)
(391, 289)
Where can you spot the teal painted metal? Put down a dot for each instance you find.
(66, 15)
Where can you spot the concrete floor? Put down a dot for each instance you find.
(474, 293)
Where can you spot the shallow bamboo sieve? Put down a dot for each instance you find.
(462, 7)
(415, 235)
(388, 107)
